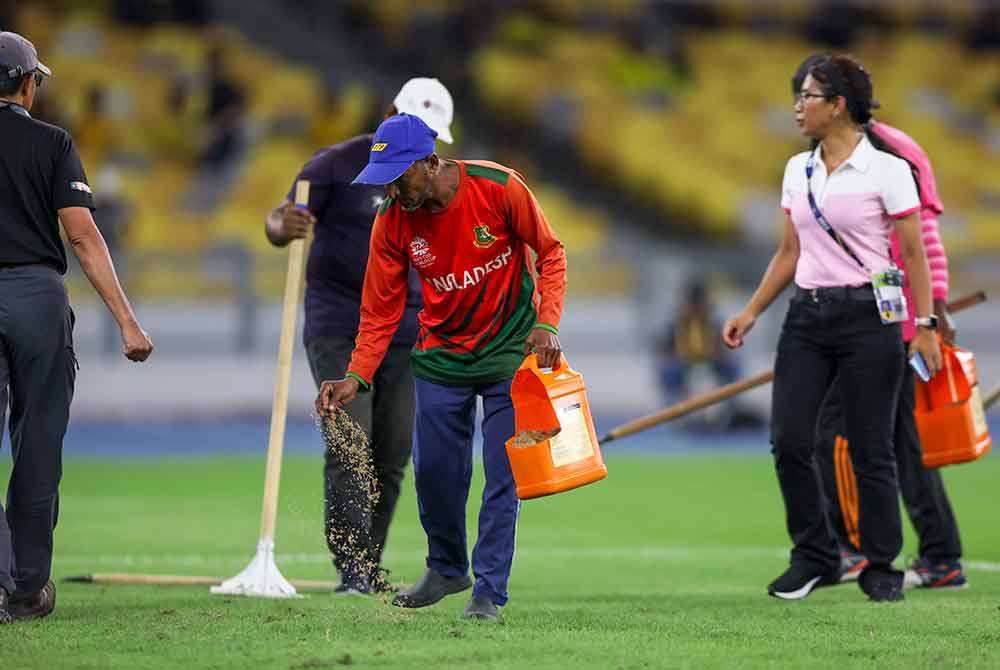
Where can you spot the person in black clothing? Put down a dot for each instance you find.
(42, 183)
(341, 215)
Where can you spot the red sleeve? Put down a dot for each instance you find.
(528, 223)
(383, 300)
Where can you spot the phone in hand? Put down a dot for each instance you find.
(920, 367)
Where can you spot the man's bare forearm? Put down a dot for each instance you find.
(92, 252)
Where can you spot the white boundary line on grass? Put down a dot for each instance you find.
(643, 553)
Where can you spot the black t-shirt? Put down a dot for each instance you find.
(40, 173)
(335, 271)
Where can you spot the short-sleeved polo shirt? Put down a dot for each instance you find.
(860, 199)
(40, 173)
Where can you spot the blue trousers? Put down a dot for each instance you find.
(442, 468)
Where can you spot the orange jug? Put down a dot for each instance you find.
(949, 412)
(554, 447)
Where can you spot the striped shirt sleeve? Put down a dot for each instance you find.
(936, 258)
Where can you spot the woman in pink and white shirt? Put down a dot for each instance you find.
(926, 502)
(833, 326)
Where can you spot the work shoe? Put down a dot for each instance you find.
(430, 588)
(799, 581)
(37, 606)
(851, 564)
(882, 586)
(5, 616)
(482, 608)
(926, 574)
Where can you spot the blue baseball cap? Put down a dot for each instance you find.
(400, 141)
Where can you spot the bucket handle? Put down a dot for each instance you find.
(531, 363)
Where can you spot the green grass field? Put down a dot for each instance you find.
(662, 565)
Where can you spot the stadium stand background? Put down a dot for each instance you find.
(654, 134)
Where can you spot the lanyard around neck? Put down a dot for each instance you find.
(821, 219)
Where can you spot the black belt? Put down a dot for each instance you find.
(861, 293)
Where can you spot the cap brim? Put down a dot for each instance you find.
(44, 69)
(445, 136)
(381, 174)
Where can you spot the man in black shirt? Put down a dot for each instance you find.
(342, 215)
(42, 183)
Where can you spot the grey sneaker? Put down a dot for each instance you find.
(430, 588)
(482, 608)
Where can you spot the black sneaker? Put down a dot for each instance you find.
(430, 588)
(799, 581)
(881, 585)
(927, 574)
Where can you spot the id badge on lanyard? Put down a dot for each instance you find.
(887, 285)
(888, 288)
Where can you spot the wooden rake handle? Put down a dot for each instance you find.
(714, 396)
(286, 346)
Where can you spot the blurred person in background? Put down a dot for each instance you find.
(924, 496)
(842, 201)
(691, 340)
(94, 131)
(341, 214)
(227, 102)
(42, 183)
(468, 228)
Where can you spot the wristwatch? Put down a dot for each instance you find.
(928, 322)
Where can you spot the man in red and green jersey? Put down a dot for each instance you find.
(466, 227)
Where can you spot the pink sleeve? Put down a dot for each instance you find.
(936, 258)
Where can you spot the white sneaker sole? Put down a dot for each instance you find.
(800, 593)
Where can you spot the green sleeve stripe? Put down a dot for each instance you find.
(386, 204)
(499, 176)
(545, 326)
(365, 386)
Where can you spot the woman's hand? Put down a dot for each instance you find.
(926, 344)
(736, 329)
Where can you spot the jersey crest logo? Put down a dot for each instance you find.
(483, 238)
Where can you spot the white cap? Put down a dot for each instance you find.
(428, 99)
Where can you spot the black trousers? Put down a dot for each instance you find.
(821, 339)
(924, 496)
(37, 376)
(386, 414)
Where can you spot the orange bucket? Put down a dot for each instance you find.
(554, 447)
(949, 411)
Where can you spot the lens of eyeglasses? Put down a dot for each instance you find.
(39, 78)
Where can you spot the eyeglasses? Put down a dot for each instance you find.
(802, 96)
(39, 78)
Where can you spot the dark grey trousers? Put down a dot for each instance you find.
(37, 374)
(386, 414)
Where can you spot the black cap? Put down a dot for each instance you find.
(18, 57)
